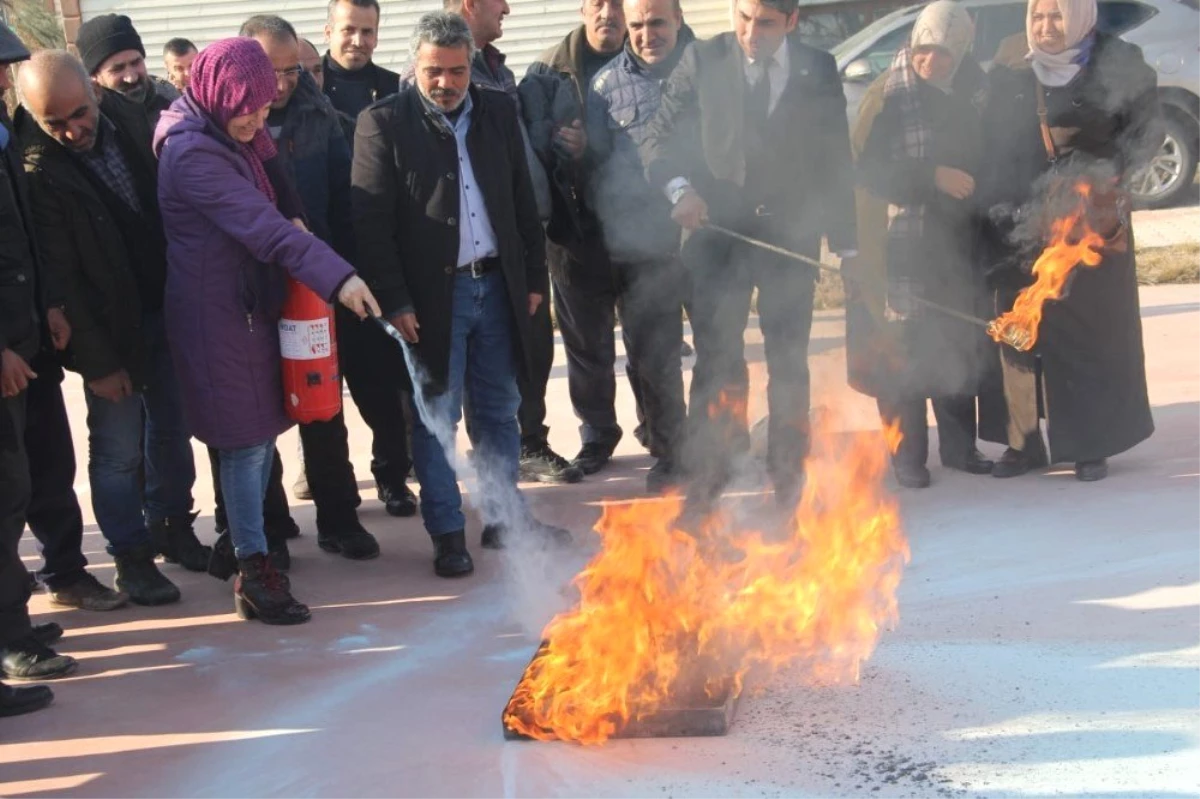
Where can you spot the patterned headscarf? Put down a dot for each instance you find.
(232, 78)
(947, 25)
(1079, 23)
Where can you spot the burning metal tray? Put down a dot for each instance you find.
(704, 717)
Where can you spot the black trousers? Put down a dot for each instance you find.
(532, 413)
(723, 277)
(647, 299)
(53, 515)
(373, 367)
(956, 428)
(15, 491)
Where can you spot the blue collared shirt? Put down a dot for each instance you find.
(476, 238)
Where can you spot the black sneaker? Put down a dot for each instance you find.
(450, 555)
(88, 593)
(540, 464)
(593, 457)
(350, 541)
(139, 577)
(30, 659)
(397, 502)
(48, 632)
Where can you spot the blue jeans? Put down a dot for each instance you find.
(245, 475)
(483, 362)
(140, 462)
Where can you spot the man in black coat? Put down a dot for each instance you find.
(93, 184)
(352, 79)
(113, 54)
(449, 238)
(579, 263)
(21, 337)
(374, 371)
(773, 162)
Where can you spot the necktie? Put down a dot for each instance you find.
(758, 98)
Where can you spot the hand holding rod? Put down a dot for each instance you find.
(804, 259)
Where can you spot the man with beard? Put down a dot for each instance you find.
(538, 461)
(449, 237)
(374, 368)
(772, 161)
(178, 55)
(93, 181)
(647, 286)
(112, 53)
(579, 264)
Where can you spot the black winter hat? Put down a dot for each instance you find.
(12, 49)
(103, 36)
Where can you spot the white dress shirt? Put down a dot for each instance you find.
(476, 238)
(777, 70)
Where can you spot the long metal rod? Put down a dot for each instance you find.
(804, 259)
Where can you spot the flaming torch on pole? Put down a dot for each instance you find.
(1072, 242)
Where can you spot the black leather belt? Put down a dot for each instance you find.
(478, 269)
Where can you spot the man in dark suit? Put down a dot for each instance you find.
(773, 162)
(449, 235)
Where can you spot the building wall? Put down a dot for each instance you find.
(532, 26)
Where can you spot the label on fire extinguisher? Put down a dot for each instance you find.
(304, 339)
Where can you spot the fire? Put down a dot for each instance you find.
(730, 402)
(667, 615)
(1072, 242)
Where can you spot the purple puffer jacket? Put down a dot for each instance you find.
(228, 249)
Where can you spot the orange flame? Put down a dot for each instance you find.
(667, 616)
(729, 402)
(1072, 242)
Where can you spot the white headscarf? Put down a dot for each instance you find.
(945, 24)
(1059, 69)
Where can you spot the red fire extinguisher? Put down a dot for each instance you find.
(312, 385)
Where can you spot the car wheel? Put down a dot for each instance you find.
(1171, 170)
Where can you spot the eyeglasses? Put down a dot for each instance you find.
(290, 72)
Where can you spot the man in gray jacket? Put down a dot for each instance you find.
(648, 282)
(579, 264)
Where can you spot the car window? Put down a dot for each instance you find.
(994, 24)
(880, 54)
(870, 32)
(1116, 17)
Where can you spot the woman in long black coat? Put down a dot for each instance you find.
(919, 148)
(1086, 375)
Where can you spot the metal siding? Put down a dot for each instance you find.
(532, 26)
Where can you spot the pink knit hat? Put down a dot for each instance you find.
(231, 78)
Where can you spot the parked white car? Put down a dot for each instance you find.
(1168, 31)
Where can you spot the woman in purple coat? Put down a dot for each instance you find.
(233, 233)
